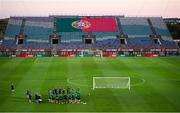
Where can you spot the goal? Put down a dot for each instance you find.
(111, 82)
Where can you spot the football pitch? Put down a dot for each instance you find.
(155, 84)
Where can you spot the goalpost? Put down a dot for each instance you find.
(111, 82)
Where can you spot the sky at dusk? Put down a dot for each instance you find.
(165, 8)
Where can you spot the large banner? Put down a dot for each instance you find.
(86, 25)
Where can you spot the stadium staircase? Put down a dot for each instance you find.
(23, 25)
(151, 26)
(54, 49)
(21, 46)
(155, 35)
(122, 35)
(120, 26)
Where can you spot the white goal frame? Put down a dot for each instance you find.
(129, 82)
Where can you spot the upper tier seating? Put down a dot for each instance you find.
(161, 28)
(38, 28)
(135, 26)
(13, 28)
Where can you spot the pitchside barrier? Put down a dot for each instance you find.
(25, 55)
(151, 55)
(65, 55)
(74, 55)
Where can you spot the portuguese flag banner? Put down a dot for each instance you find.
(86, 25)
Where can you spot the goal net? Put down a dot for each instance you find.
(111, 82)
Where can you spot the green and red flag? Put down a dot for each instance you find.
(86, 25)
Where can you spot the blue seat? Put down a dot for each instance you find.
(136, 30)
(12, 30)
(37, 33)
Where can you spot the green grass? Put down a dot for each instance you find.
(159, 92)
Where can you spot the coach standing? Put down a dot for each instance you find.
(12, 87)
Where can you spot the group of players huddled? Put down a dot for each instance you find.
(64, 96)
(56, 95)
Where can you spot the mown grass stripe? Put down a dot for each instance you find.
(17, 78)
(153, 88)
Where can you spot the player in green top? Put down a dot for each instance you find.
(78, 97)
(73, 97)
(60, 99)
(64, 98)
(69, 97)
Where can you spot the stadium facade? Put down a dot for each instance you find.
(69, 36)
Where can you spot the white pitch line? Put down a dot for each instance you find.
(77, 84)
(138, 84)
(35, 61)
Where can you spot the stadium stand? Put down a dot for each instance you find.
(38, 28)
(74, 33)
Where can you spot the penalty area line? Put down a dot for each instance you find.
(77, 84)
